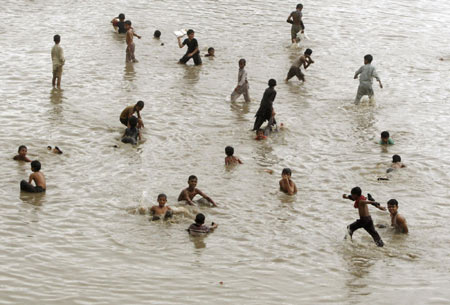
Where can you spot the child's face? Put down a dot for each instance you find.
(284, 176)
(190, 36)
(354, 196)
(23, 152)
(211, 52)
(127, 26)
(192, 183)
(384, 140)
(162, 201)
(392, 208)
(241, 64)
(260, 134)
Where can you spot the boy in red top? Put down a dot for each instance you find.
(364, 221)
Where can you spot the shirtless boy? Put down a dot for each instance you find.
(37, 177)
(286, 184)
(128, 112)
(130, 44)
(397, 220)
(161, 209)
(22, 156)
(295, 18)
(365, 220)
(191, 191)
(304, 60)
(230, 159)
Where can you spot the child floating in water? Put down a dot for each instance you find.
(198, 228)
(286, 184)
(22, 156)
(190, 192)
(260, 135)
(55, 150)
(230, 159)
(37, 177)
(161, 209)
(211, 52)
(365, 220)
(385, 139)
(132, 134)
(396, 163)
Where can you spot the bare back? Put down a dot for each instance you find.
(39, 179)
(129, 36)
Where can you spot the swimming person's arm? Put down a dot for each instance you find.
(206, 197)
(358, 72)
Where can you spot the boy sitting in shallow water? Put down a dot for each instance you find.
(159, 210)
(191, 191)
(22, 156)
(230, 159)
(37, 177)
(286, 184)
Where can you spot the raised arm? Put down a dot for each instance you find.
(374, 203)
(179, 42)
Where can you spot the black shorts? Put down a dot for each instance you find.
(27, 187)
(196, 57)
(124, 121)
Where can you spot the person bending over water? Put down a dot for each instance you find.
(265, 111)
(295, 18)
(38, 178)
(198, 228)
(128, 112)
(22, 156)
(230, 159)
(365, 220)
(304, 60)
(132, 134)
(191, 191)
(286, 184)
(129, 57)
(192, 51)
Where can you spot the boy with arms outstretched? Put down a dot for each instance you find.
(191, 191)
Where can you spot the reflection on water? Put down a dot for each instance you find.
(35, 199)
(129, 72)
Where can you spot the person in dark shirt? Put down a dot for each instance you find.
(119, 24)
(192, 51)
(265, 111)
(198, 228)
(132, 133)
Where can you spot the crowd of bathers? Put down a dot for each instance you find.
(132, 119)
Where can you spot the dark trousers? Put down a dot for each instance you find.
(27, 187)
(196, 57)
(260, 120)
(124, 121)
(366, 223)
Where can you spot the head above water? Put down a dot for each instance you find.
(308, 52)
(356, 191)
(272, 82)
(57, 39)
(211, 51)
(121, 17)
(35, 166)
(229, 151)
(133, 121)
(157, 34)
(200, 219)
(286, 171)
(368, 59)
(385, 135)
(396, 158)
(162, 199)
(139, 105)
(392, 202)
(22, 148)
(260, 132)
(299, 6)
(127, 24)
(190, 32)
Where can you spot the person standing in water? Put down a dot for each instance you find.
(304, 60)
(119, 23)
(192, 51)
(57, 61)
(366, 74)
(242, 86)
(295, 18)
(130, 44)
(265, 111)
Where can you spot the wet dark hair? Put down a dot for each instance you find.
(385, 134)
(308, 51)
(368, 58)
(56, 38)
(133, 121)
(157, 34)
(356, 191)
(121, 16)
(36, 165)
(210, 49)
(229, 151)
(200, 219)
(140, 104)
(392, 202)
(272, 82)
(299, 5)
(59, 150)
(396, 158)
(20, 147)
(260, 130)
(242, 60)
(128, 22)
(162, 195)
(286, 171)
(191, 177)
(190, 31)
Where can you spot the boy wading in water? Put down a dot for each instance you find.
(192, 51)
(57, 61)
(304, 60)
(128, 112)
(37, 177)
(130, 44)
(265, 111)
(366, 74)
(242, 86)
(295, 18)
(365, 220)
